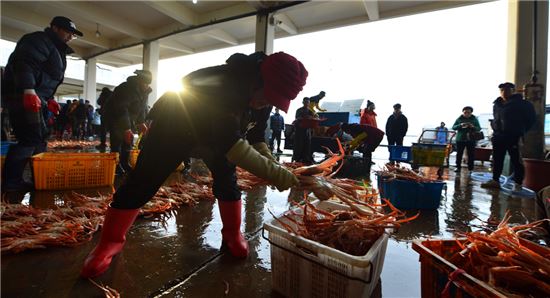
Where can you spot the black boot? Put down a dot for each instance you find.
(16, 160)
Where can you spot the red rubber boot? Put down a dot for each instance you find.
(230, 212)
(113, 235)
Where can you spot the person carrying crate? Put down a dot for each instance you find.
(221, 108)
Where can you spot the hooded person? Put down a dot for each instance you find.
(221, 112)
(368, 117)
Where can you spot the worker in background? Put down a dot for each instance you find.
(302, 135)
(101, 100)
(396, 126)
(277, 124)
(441, 133)
(368, 117)
(464, 125)
(513, 117)
(34, 71)
(124, 112)
(366, 139)
(236, 94)
(314, 102)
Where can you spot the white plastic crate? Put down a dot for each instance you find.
(304, 268)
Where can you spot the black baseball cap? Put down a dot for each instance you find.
(65, 23)
(507, 85)
(144, 75)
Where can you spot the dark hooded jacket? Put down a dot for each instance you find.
(38, 62)
(514, 117)
(214, 108)
(127, 105)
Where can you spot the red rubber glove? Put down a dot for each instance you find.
(31, 101)
(143, 129)
(53, 106)
(128, 136)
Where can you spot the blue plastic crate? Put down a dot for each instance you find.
(400, 153)
(6, 147)
(411, 195)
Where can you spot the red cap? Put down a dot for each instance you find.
(284, 77)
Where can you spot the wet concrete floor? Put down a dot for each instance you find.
(178, 255)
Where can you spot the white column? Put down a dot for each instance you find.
(90, 81)
(265, 33)
(522, 63)
(151, 63)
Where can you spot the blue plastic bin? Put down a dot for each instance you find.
(6, 147)
(411, 195)
(400, 153)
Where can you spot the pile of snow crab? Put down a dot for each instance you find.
(71, 145)
(514, 266)
(353, 232)
(72, 223)
(171, 197)
(78, 217)
(395, 171)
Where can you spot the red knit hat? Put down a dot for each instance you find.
(284, 77)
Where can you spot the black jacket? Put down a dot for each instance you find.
(127, 106)
(38, 62)
(396, 127)
(513, 117)
(277, 122)
(214, 107)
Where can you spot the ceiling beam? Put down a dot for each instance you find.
(285, 23)
(222, 36)
(95, 14)
(373, 12)
(11, 11)
(176, 46)
(115, 61)
(235, 10)
(175, 10)
(13, 35)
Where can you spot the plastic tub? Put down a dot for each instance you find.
(411, 195)
(436, 272)
(304, 268)
(400, 153)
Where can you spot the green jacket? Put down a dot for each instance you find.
(462, 133)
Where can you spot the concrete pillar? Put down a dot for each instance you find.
(90, 81)
(151, 51)
(522, 61)
(265, 33)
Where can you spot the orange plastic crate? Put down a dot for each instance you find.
(73, 170)
(435, 269)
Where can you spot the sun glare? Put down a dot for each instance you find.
(175, 86)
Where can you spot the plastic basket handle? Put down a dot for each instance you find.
(368, 281)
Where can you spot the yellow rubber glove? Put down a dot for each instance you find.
(246, 157)
(358, 140)
(264, 150)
